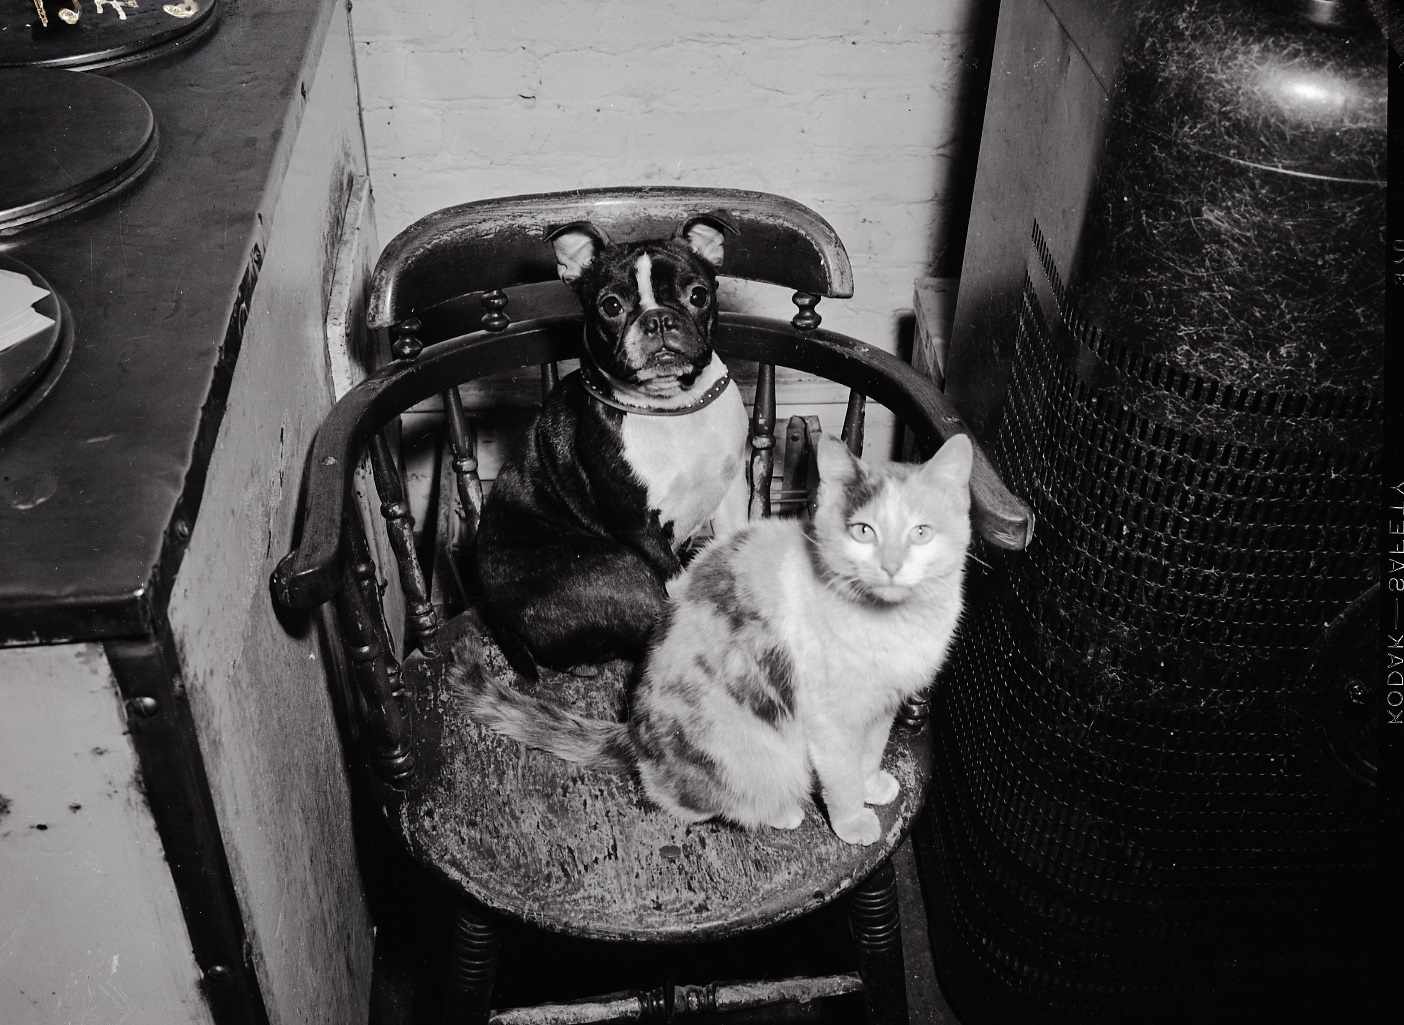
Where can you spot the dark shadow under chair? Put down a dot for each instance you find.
(518, 835)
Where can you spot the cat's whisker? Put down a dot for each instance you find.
(981, 561)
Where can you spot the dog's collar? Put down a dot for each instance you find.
(594, 383)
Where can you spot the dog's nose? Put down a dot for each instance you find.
(656, 322)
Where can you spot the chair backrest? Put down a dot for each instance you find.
(498, 243)
(440, 262)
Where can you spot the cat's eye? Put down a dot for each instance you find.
(862, 533)
(611, 306)
(922, 533)
(699, 296)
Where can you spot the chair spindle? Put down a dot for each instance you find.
(762, 441)
(853, 422)
(807, 318)
(915, 712)
(812, 433)
(373, 668)
(423, 620)
(876, 924)
(463, 442)
(406, 343)
(495, 310)
(550, 376)
(794, 476)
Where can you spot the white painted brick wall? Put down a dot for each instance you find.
(844, 105)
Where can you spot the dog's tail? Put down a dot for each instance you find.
(544, 725)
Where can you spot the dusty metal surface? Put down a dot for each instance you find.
(158, 280)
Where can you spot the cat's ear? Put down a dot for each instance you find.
(836, 463)
(951, 463)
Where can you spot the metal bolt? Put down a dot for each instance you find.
(143, 707)
(182, 530)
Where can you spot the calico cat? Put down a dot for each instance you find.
(785, 654)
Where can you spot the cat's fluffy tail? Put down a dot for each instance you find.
(544, 725)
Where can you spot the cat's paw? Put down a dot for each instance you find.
(792, 819)
(862, 827)
(881, 788)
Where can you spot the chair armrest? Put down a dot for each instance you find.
(310, 574)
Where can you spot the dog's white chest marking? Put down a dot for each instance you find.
(688, 463)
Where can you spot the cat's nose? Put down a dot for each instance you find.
(891, 556)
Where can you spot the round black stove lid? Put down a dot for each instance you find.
(98, 33)
(69, 140)
(36, 339)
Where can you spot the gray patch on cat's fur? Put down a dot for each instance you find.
(663, 740)
(753, 697)
(852, 589)
(769, 694)
(858, 491)
(685, 750)
(689, 773)
(646, 739)
(694, 795)
(780, 671)
(714, 583)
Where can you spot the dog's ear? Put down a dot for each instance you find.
(576, 244)
(705, 235)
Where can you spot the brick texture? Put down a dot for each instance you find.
(849, 107)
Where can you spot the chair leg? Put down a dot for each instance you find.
(877, 926)
(472, 967)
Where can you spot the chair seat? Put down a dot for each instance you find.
(580, 851)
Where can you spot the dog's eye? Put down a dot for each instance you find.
(699, 296)
(610, 306)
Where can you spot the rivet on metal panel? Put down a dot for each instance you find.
(143, 707)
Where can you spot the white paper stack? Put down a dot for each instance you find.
(19, 319)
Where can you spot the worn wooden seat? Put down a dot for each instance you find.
(518, 833)
(581, 852)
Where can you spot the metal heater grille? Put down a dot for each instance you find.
(1134, 726)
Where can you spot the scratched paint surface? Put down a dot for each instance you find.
(90, 929)
(257, 687)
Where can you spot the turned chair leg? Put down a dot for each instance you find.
(472, 967)
(877, 927)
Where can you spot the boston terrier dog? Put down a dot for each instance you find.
(630, 456)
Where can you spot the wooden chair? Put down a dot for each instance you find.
(518, 834)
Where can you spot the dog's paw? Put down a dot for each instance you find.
(862, 827)
(881, 788)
